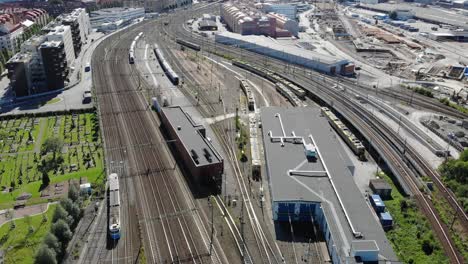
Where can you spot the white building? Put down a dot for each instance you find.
(286, 23)
(63, 33)
(111, 15)
(9, 37)
(310, 59)
(83, 20)
(371, 2)
(288, 10)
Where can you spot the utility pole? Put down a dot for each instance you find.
(242, 231)
(210, 204)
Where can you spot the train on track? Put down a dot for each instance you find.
(351, 140)
(188, 44)
(248, 92)
(271, 76)
(113, 206)
(288, 94)
(131, 52)
(165, 65)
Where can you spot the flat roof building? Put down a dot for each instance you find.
(310, 59)
(319, 187)
(199, 156)
(106, 16)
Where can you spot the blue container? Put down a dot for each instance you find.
(377, 203)
(386, 220)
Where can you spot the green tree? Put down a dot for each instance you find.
(72, 209)
(60, 213)
(45, 179)
(62, 231)
(54, 145)
(52, 242)
(427, 247)
(73, 192)
(393, 15)
(45, 255)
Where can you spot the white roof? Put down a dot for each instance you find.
(27, 23)
(293, 50)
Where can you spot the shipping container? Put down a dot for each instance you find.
(377, 203)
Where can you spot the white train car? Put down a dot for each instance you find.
(131, 52)
(114, 206)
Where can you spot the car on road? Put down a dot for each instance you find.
(87, 97)
(87, 67)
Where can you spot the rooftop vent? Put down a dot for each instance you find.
(179, 128)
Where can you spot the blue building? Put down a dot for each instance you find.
(320, 190)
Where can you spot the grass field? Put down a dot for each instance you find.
(20, 153)
(410, 230)
(20, 245)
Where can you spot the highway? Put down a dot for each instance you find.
(158, 210)
(404, 161)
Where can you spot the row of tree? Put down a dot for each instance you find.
(66, 217)
(455, 175)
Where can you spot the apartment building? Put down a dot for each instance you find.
(55, 65)
(63, 33)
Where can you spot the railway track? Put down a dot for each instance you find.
(157, 209)
(267, 252)
(381, 136)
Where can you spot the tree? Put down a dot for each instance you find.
(45, 179)
(51, 241)
(73, 192)
(62, 231)
(54, 145)
(393, 15)
(45, 255)
(72, 209)
(60, 213)
(427, 247)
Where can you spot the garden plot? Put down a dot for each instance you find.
(25, 158)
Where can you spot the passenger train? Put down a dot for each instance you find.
(114, 206)
(165, 65)
(131, 52)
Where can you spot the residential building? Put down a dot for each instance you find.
(31, 47)
(14, 22)
(78, 20)
(55, 65)
(19, 74)
(63, 33)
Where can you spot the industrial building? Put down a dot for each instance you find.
(201, 160)
(207, 25)
(310, 59)
(103, 19)
(285, 23)
(288, 10)
(252, 22)
(461, 36)
(310, 180)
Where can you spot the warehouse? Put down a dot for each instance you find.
(199, 157)
(304, 185)
(310, 59)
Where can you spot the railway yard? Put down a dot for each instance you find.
(218, 153)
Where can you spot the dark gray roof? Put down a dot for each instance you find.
(305, 121)
(207, 23)
(190, 136)
(380, 184)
